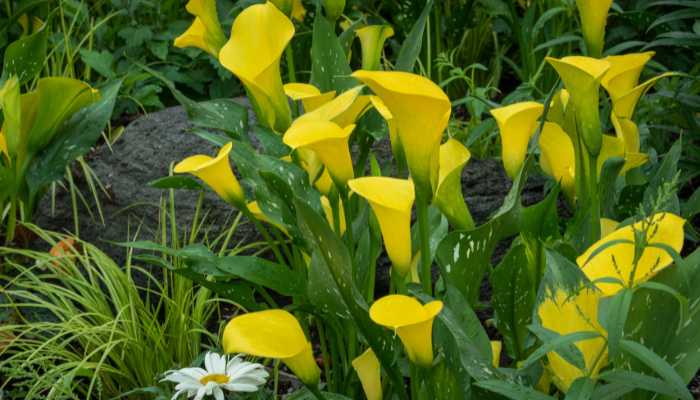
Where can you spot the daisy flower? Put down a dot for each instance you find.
(218, 375)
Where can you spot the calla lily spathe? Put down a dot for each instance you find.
(273, 334)
(581, 313)
(343, 110)
(624, 72)
(496, 348)
(259, 36)
(311, 98)
(412, 322)
(594, 15)
(448, 197)
(324, 183)
(328, 210)
(617, 260)
(391, 200)
(372, 38)
(330, 143)
(368, 369)
(516, 125)
(205, 32)
(216, 173)
(421, 110)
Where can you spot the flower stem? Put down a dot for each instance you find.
(425, 272)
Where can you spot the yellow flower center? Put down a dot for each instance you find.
(218, 378)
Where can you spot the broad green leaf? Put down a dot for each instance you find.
(410, 49)
(25, 57)
(658, 365)
(612, 315)
(563, 345)
(561, 273)
(608, 190)
(513, 390)
(329, 65)
(323, 292)
(628, 381)
(581, 389)
(257, 270)
(100, 61)
(667, 170)
(176, 182)
(73, 139)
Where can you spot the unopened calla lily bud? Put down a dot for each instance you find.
(334, 8)
(594, 16)
(516, 125)
(448, 196)
(369, 371)
(205, 32)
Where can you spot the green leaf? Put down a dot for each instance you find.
(257, 270)
(323, 292)
(73, 139)
(563, 345)
(628, 381)
(100, 61)
(25, 57)
(176, 182)
(513, 390)
(666, 172)
(612, 315)
(410, 49)
(581, 389)
(608, 190)
(561, 273)
(329, 65)
(674, 382)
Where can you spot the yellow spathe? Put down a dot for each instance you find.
(624, 72)
(516, 125)
(273, 334)
(259, 36)
(496, 348)
(394, 139)
(412, 321)
(581, 315)
(368, 369)
(448, 196)
(557, 157)
(343, 110)
(310, 96)
(594, 15)
(372, 40)
(324, 183)
(328, 210)
(624, 105)
(391, 200)
(205, 32)
(617, 260)
(421, 110)
(216, 173)
(330, 143)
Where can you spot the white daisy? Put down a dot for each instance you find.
(218, 374)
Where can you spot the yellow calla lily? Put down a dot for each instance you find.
(594, 15)
(329, 142)
(215, 172)
(3, 145)
(13, 129)
(273, 334)
(369, 371)
(23, 21)
(516, 124)
(421, 110)
(624, 105)
(624, 72)
(581, 77)
(258, 213)
(412, 321)
(310, 96)
(298, 10)
(372, 38)
(496, 348)
(607, 226)
(324, 183)
(391, 200)
(205, 32)
(448, 196)
(581, 313)
(617, 260)
(328, 210)
(615, 147)
(259, 36)
(343, 110)
(382, 109)
(557, 157)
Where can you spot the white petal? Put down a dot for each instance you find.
(218, 393)
(241, 387)
(219, 364)
(200, 393)
(208, 362)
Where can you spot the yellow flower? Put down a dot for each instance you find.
(3, 145)
(617, 260)
(594, 15)
(273, 334)
(516, 124)
(565, 315)
(205, 32)
(259, 36)
(372, 38)
(343, 110)
(421, 110)
(310, 96)
(328, 210)
(391, 200)
(412, 321)
(329, 142)
(369, 371)
(496, 348)
(298, 10)
(448, 197)
(324, 183)
(581, 77)
(310, 162)
(557, 157)
(215, 172)
(624, 72)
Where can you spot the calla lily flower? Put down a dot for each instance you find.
(581, 77)
(496, 348)
(259, 36)
(298, 10)
(328, 210)
(448, 197)
(369, 371)
(205, 32)
(215, 172)
(617, 260)
(372, 38)
(581, 313)
(343, 110)
(624, 72)
(412, 321)
(329, 142)
(594, 15)
(324, 183)
(309, 161)
(382, 109)
(310, 96)
(421, 110)
(516, 124)
(391, 200)
(273, 334)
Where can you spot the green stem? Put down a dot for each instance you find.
(425, 271)
(289, 54)
(11, 222)
(265, 234)
(324, 353)
(415, 381)
(592, 195)
(348, 222)
(276, 374)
